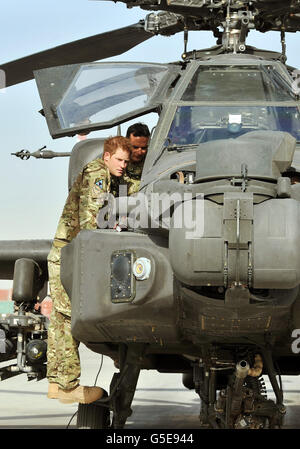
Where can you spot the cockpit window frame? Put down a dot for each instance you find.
(271, 74)
(53, 83)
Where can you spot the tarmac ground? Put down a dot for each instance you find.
(160, 402)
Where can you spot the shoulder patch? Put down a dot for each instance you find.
(99, 183)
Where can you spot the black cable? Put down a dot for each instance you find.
(72, 419)
(99, 370)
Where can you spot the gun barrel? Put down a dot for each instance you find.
(241, 371)
(39, 154)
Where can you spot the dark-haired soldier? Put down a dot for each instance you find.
(139, 135)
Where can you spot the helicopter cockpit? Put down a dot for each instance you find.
(214, 100)
(200, 124)
(223, 102)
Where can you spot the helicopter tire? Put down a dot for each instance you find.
(93, 416)
(188, 381)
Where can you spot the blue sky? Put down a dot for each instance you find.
(32, 193)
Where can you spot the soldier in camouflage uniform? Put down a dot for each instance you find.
(138, 134)
(80, 212)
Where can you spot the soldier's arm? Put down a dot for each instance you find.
(93, 189)
(68, 225)
(133, 185)
(133, 176)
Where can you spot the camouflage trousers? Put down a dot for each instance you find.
(63, 363)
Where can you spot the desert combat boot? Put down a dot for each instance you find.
(52, 390)
(83, 395)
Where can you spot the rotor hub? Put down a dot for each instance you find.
(236, 28)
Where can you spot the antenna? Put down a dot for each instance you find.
(185, 40)
(283, 45)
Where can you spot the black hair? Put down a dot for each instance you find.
(138, 130)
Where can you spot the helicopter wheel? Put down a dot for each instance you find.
(188, 380)
(93, 416)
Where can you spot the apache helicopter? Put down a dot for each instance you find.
(217, 297)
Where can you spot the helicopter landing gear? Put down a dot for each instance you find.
(122, 389)
(188, 381)
(205, 387)
(241, 402)
(123, 384)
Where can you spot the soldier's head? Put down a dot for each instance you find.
(116, 154)
(138, 134)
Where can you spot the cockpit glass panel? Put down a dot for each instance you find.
(102, 93)
(199, 124)
(236, 83)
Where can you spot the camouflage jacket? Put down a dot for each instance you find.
(133, 176)
(83, 204)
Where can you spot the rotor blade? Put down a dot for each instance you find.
(89, 49)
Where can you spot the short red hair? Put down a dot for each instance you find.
(112, 144)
